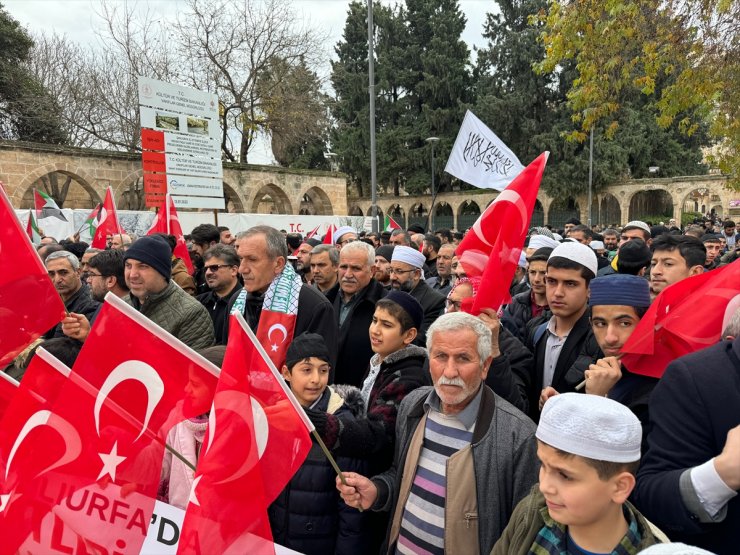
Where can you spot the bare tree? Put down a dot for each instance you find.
(228, 44)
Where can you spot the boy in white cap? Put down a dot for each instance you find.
(589, 451)
(564, 346)
(344, 235)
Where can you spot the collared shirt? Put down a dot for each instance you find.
(553, 349)
(711, 490)
(367, 385)
(467, 416)
(345, 307)
(537, 310)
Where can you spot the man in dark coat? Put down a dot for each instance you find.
(354, 307)
(406, 275)
(263, 253)
(64, 270)
(688, 480)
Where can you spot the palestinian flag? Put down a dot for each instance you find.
(92, 221)
(390, 224)
(32, 229)
(46, 206)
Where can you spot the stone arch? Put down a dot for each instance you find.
(23, 196)
(698, 201)
(467, 213)
(652, 205)
(316, 203)
(444, 216)
(129, 193)
(271, 199)
(561, 210)
(355, 211)
(418, 214)
(609, 214)
(538, 214)
(232, 201)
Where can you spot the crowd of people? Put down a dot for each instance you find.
(517, 430)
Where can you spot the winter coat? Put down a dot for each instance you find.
(182, 277)
(175, 311)
(177, 479)
(309, 516)
(79, 303)
(354, 337)
(517, 314)
(694, 405)
(504, 465)
(433, 303)
(437, 284)
(528, 520)
(217, 308)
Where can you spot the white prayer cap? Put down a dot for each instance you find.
(342, 231)
(558, 237)
(590, 426)
(408, 255)
(597, 245)
(540, 241)
(637, 224)
(523, 260)
(583, 254)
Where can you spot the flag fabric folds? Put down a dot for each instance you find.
(670, 328)
(29, 304)
(46, 207)
(32, 229)
(88, 227)
(257, 439)
(498, 237)
(108, 222)
(390, 224)
(329, 237)
(168, 222)
(8, 388)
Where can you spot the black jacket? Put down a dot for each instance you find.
(79, 303)
(579, 351)
(354, 338)
(308, 515)
(517, 313)
(217, 308)
(433, 303)
(694, 405)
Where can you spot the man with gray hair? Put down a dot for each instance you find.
(298, 308)
(64, 270)
(324, 265)
(458, 437)
(354, 307)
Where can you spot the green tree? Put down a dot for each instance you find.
(27, 111)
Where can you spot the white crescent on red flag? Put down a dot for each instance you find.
(167, 222)
(108, 222)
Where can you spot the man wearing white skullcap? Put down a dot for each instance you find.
(539, 242)
(344, 235)
(564, 346)
(589, 450)
(406, 275)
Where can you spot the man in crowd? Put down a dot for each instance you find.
(728, 232)
(636, 230)
(147, 269)
(263, 254)
(430, 250)
(564, 346)
(675, 257)
(324, 267)
(464, 457)
(222, 270)
(406, 276)
(90, 252)
(383, 257)
(203, 237)
(634, 258)
(582, 234)
(611, 241)
(445, 235)
(354, 307)
(530, 304)
(303, 259)
(569, 225)
(120, 241)
(714, 247)
(63, 268)
(343, 236)
(225, 235)
(444, 279)
(519, 282)
(400, 237)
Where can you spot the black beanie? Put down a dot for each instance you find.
(153, 251)
(305, 346)
(409, 304)
(385, 251)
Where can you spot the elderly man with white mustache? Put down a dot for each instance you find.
(457, 437)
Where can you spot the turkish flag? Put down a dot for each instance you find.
(257, 439)
(275, 332)
(131, 382)
(168, 222)
(109, 224)
(329, 236)
(683, 318)
(29, 304)
(8, 388)
(499, 233)
(26, 415)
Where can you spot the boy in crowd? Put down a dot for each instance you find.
(589, 450)
(675, 257)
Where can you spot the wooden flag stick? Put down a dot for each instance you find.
(179, 456)
(331, 460)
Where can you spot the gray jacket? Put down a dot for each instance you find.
(504, 459)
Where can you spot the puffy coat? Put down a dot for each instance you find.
(517, 313)
(79, 303)
(308, 515)
(175, 311)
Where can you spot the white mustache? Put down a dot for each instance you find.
(451, 381)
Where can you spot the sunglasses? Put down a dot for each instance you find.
(214, 267)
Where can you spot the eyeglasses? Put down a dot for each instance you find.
(215, 267)
(90, 275)
(345, 241)
(398, 272)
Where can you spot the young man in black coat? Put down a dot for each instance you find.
(688, 480)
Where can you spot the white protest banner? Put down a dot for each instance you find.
(480, 158)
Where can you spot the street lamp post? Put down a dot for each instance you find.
(432, 141)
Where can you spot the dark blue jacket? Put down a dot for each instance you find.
(694, 405)
(309, 516)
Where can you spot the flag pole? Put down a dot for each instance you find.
(186, 462)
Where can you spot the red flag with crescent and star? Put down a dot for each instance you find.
(108, 222)
(130, 384)
(258, 436)
(167, 222)
(499, 235)
(29, 304)
(670, 328)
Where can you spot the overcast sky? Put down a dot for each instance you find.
(77, 19)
